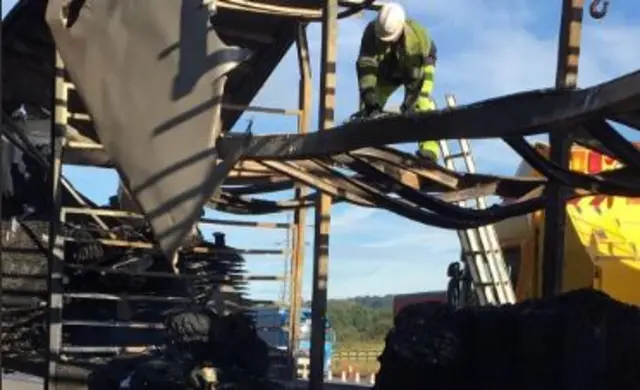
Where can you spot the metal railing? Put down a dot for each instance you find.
(370, 355)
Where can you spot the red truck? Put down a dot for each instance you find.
(402, 300)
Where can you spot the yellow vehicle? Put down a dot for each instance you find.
(601, 240)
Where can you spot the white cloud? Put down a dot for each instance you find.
(444, 239)
(406, 271)
(352, 218)
(500, 66)
(462, 16)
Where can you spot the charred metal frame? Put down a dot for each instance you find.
(2, 187)
(397, 170)
(560, 151)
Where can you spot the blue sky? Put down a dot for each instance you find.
(486, 48)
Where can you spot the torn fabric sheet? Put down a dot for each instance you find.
(151, 74)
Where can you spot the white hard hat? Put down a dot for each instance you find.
(390, 22)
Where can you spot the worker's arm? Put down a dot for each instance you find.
(413, 88)
(367, 68)
(422, 52)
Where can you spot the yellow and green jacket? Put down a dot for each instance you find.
(396, 64)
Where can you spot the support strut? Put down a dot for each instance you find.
(323, 205)
(560, 143)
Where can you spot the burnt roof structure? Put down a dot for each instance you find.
(29, 53)
(351, 162)
(28, 70)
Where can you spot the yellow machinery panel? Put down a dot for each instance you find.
(601, 241)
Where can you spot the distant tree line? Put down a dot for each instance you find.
(361, 320)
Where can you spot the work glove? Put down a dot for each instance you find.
(412, 88)
(410, 103)
(371, 105)
(373, 111)
(367, 113)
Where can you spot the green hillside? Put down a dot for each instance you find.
(361, 321)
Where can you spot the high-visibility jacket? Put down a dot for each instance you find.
(400, 64)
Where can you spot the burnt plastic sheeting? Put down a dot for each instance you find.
(151, 75)
(624, 151)
(521, 114)
(631, 119)
(569, 178)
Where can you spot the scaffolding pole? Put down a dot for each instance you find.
(2, 189)
(300, 214)
(560, 145)
(323, 205)
(55, 286)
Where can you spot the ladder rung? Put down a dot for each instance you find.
(475, 252)
(486, 255)
(119, 324)
(110, 297)
(91, 349)
(494, 281)
(455, 155)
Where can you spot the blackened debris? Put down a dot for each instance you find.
(580, 340)
(195, 337)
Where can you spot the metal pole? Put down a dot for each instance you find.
(323, 205)
(560, 144)
(1, 233)
(55, 286)
(300, 215)
(287, 255)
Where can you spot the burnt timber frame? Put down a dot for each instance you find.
(326, 118)
(406, 178)
(560, 152)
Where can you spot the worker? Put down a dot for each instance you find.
(396, 51)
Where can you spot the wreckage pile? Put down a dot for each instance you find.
(202, 349)
(580, 340)
(24, 285)
(24, 269)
